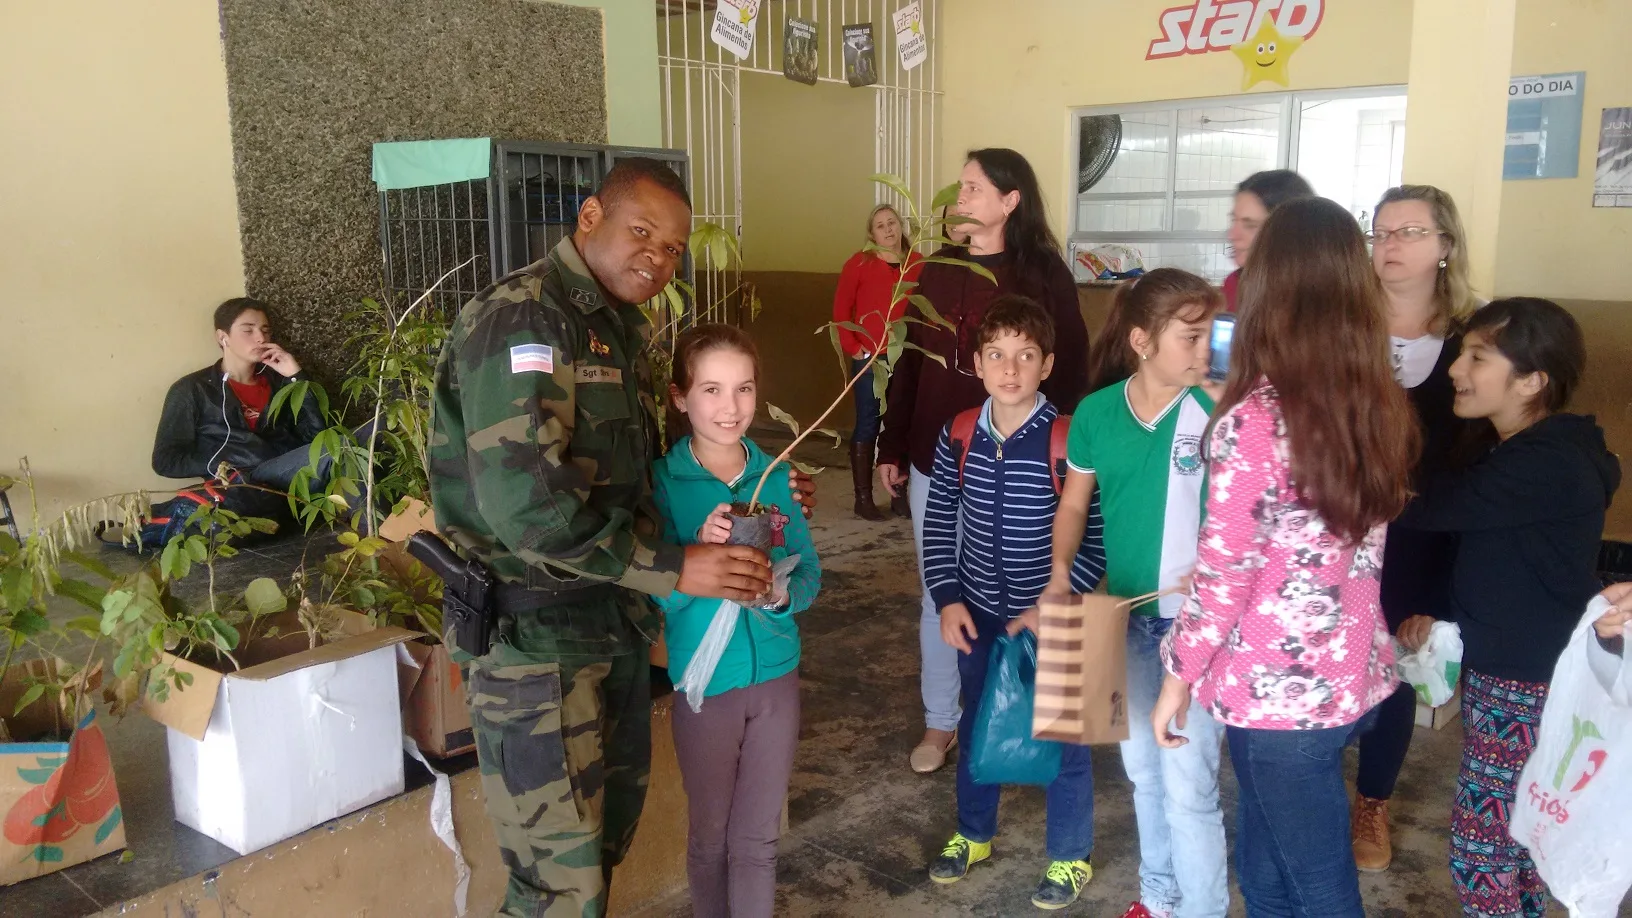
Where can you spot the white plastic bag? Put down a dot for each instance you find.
(700, 669)
(1575, 793)
(1435, 668)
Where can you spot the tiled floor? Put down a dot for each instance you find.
(863, 826)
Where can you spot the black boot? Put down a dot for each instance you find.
(861, 472)
(899, 504)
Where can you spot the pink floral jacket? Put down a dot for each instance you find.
(1283, 629)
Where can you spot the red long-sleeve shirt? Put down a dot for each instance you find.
(863, 297)
(923, 395)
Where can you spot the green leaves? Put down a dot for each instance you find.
(263, 596)
(896, 185)
(783, 417)
(32, 694)
(946, 197)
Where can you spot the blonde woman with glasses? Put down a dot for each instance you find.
(1009, 236)
(1419, 251)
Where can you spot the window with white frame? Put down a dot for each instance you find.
(1168, 188)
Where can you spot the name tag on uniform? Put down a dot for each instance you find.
(591, 373)
(532, 358)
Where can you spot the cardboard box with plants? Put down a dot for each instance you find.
(59, 802)
(281, 708)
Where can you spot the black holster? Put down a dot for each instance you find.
(468, 613)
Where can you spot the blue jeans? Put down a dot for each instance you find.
(938, 676)
(1293, 852)
(1070, 796)
(1183, 862)
(867, 407)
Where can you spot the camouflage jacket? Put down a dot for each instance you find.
(543, 432)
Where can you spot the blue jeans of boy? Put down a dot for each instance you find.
(1070, 796)
(1183, 862)
(1293, 853)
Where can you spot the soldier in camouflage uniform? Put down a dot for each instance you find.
(543, 432)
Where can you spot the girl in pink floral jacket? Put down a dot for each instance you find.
(1282, 638)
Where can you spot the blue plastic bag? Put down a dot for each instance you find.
(1002, 750)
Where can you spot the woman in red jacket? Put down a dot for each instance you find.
(863, 298)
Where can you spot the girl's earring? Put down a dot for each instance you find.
(1144, 356)
(1442, 264)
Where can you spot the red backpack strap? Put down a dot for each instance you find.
(1059, 434)
(962, 436)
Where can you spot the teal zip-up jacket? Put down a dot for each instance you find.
(765, 644)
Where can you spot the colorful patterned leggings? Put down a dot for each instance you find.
(1494, 875)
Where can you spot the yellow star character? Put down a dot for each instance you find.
(1264, 56)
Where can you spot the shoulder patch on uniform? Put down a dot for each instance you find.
(580, 295)
(532, 358)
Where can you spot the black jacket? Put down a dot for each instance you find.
(1529, 516)
(1417, 562)
(203, 426)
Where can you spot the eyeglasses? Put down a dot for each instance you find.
(1405, 234)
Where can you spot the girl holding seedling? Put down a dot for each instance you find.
(736, 751)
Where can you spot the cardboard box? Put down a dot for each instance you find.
(1437, 718)
(58, 798)
(297, 737)
(434, 710)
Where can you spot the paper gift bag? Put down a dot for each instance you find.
(59, 802)
(1082, 670)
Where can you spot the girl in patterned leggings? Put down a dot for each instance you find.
(1529, 514)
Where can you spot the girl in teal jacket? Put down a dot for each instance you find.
(736, 753)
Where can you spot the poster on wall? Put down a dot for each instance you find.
(1612, 185)
(910, 41)
(1544, 126)
(860, 66)
(734, 23)
(799, 51)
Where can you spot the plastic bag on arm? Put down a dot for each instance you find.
(700, 669)
(1575, 792)
(1003, 750)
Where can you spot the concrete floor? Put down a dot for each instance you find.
(862, 826)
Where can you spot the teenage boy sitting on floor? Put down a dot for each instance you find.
(1000, 487)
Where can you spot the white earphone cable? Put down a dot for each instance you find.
(209, 467)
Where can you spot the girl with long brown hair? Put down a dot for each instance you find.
(1282, 638)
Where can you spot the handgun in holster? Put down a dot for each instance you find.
(468, 612)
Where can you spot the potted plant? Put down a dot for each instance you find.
(754, 524)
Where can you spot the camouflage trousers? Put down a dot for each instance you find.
(561, 708)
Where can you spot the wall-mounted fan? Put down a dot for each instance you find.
(1099, 142)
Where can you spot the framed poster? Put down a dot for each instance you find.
(1612, 184)
(1544, 126)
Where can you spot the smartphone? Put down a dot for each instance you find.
(1218, 366)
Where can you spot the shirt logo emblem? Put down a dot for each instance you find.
(1187, 454)
(596, 347)
(582, 296)
(532, 358)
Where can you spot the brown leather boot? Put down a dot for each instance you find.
(861, 473)
(1368, 830)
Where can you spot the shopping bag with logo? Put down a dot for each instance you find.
(1082, 670)
(1435, 668)
(1002, 748)
(1576, 790)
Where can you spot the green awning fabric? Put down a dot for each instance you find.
(417, 163)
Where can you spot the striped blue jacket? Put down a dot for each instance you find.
(988, 539)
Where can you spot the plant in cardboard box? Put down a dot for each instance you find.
(753, 524)
(59, 803)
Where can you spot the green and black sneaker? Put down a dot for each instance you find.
(1062, 884)
(957, 857)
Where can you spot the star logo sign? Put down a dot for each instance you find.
(1264, 56)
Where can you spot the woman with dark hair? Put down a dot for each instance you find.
(1282, 637)
(1420, 254)
(1255, 199)
(863, 299)
(1008, 236)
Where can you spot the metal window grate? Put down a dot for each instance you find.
(426, 232)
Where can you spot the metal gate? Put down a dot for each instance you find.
(702, 102)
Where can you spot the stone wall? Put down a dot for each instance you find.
(312, 84)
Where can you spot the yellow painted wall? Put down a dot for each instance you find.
(807, 153)
(118, 230)
(1013, 71)
(1553, 242)
(633, 96)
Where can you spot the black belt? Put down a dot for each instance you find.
(519, 597)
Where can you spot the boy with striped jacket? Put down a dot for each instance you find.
(987, 543)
